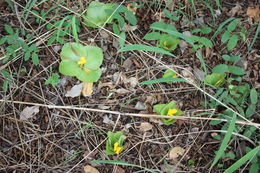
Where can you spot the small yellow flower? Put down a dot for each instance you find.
(175, 76)
(117, 149)
(171, 112)
(82, 61)
(165, 45)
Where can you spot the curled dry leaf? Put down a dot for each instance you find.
(254, 13)
(140, 106)
(90, 169)
(74, 91)
(29, 112)
(87, 89)
(176, 152)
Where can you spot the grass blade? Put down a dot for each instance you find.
(74, 29)
(221, 26)
(117, 162)
(163, 80)
(226, 139)
(255, 37)
(241, 161)
(145, 48)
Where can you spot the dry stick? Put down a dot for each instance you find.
(128, 114)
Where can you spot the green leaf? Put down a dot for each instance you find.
(73, 51)
(206, 30)
(115, 29)
(9, 29)
(69, 68)
(27, 56)
(144, 48)
(94, 56)
(232, 26)
(231, 58)
(131, 18)
(152, 36)
(168, 42)
(225, 37)
(35, 59)
(160, 80)
(225, 141)
(232, 42)
(122, 38)
(250, 110)
(221, 68)
(254, 168)
(243, 160)
(169, 74)
(236, 70)
(215, 79)
(74, 28)
(157, 108)
(3, 40)
(89, 76)
(253, 96)
(170, 16)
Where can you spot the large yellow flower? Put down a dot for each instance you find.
(117, 149)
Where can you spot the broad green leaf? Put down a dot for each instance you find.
(243, 160)
(92, 76)
(69, 68)
(152, 36)
(236, 70)
(73, 51)
(3, 40)
(232, 42)
(160, 80)
(94, 56)
(232, 25)
(27, 56)
(131, 18)
(231, 58)
(122, 37)
(225, 141)
(168, 42)
(221, 68)
(225, 37)
(157, 108)
(162, 25)
(9, 29)
(169, 74)
(144, 48)
(115, 29)
(253, 96)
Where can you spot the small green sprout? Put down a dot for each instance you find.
(215, 79)
(114, 144)
(169, 109)
(81, 61)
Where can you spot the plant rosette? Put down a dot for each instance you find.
(169, 109)
(98, 14)
(114, 143)
(215, 79)
(168, 42)
(80, 61)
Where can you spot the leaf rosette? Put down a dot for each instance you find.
(81, 61)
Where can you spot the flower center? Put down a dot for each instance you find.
(117, 149)
(82, 61)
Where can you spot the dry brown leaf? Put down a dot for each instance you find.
(140, 106)
(90, 169)
(235, 10)
(119, 170)
(145, 126)
(254, 13)
(176, 152)
(29, 112)
(128, 63)
(87, 89)
(122, 91)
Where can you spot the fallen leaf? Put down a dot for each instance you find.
(145, 126)
(235, 10)
(176, 152)
(128, 28)
(133, 81)
(29, 112)
(108, 120)
(128, 63)
(74, 91)
(122, 91)
(254, 13)
(183, 45)
(119, 170)
(90, 169)
(87, 89)
(140, 106)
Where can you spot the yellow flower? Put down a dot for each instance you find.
(82, 61)
(117, 149)
(165, 45)
(171, 112)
